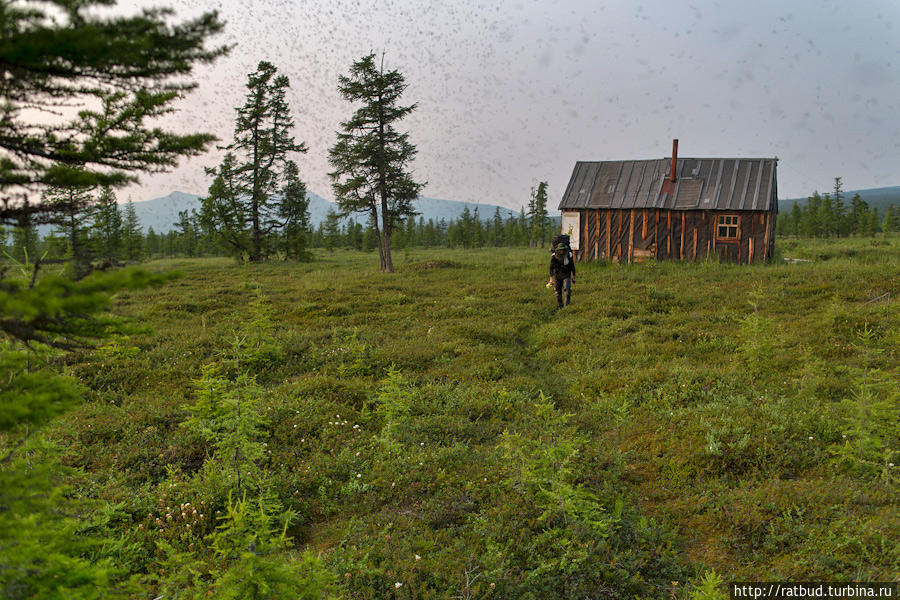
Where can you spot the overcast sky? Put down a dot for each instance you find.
(513, 92)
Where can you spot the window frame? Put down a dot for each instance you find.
(728, 222)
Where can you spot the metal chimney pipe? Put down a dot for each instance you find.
(674, 160)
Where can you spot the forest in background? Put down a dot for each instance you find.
(107, 231)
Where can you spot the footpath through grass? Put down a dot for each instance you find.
(446, 429)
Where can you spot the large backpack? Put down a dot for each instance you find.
(559, 239)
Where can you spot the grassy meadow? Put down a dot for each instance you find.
(445, 431)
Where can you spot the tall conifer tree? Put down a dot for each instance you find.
(75, 204)
(25, 240)
(538, 219)
(125, 70)
(371, 158)
(132, 236)
(245, 203)
(294, 213)
(106, 230)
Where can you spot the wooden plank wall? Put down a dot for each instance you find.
(638, 234)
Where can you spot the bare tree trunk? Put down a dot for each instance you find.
(386, 229)
(378, 237)
(256, 254)
(388, 262)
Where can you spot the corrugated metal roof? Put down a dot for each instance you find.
(701, 184)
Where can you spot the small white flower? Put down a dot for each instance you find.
(810, 437)
(358, 475)
(357, 453)
(418, 557)
(398, 585)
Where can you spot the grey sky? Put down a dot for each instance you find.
(513, 92)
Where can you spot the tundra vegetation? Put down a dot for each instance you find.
(314, 429)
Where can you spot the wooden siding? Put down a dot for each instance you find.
(634, 235)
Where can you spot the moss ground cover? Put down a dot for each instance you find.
(445, 431)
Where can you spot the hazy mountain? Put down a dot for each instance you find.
(879, 198)
(162, 213)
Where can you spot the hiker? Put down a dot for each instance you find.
(562, 268)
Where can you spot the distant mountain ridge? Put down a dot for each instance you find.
(162, 213)
(879, 198)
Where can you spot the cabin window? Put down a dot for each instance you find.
(728, 227)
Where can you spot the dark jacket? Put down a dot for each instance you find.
(562, 268)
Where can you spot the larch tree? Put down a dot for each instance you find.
(74, 212)
(840, 219)
(132, 236)
(371, 158)
(221, 214)
(294, 213)
(77, 90)
(538, 219)
(25, 240)
(889, 225)
(253, 196)
(106, 229)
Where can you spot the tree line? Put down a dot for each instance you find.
(829, 215)
(108, 233)
(111, 234)
(468, 231)
(95, 229)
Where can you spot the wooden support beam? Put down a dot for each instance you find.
(694, 257)
(644, 225)
(608, 234)
(656, 235)
(681, 248)
(619, 238)
(597, 243)
(715, 232)
(631, 236)
(750, 260)
(669, 234)
(582, 243)
(767, 256)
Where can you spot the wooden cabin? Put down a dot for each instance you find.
(672, 208)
